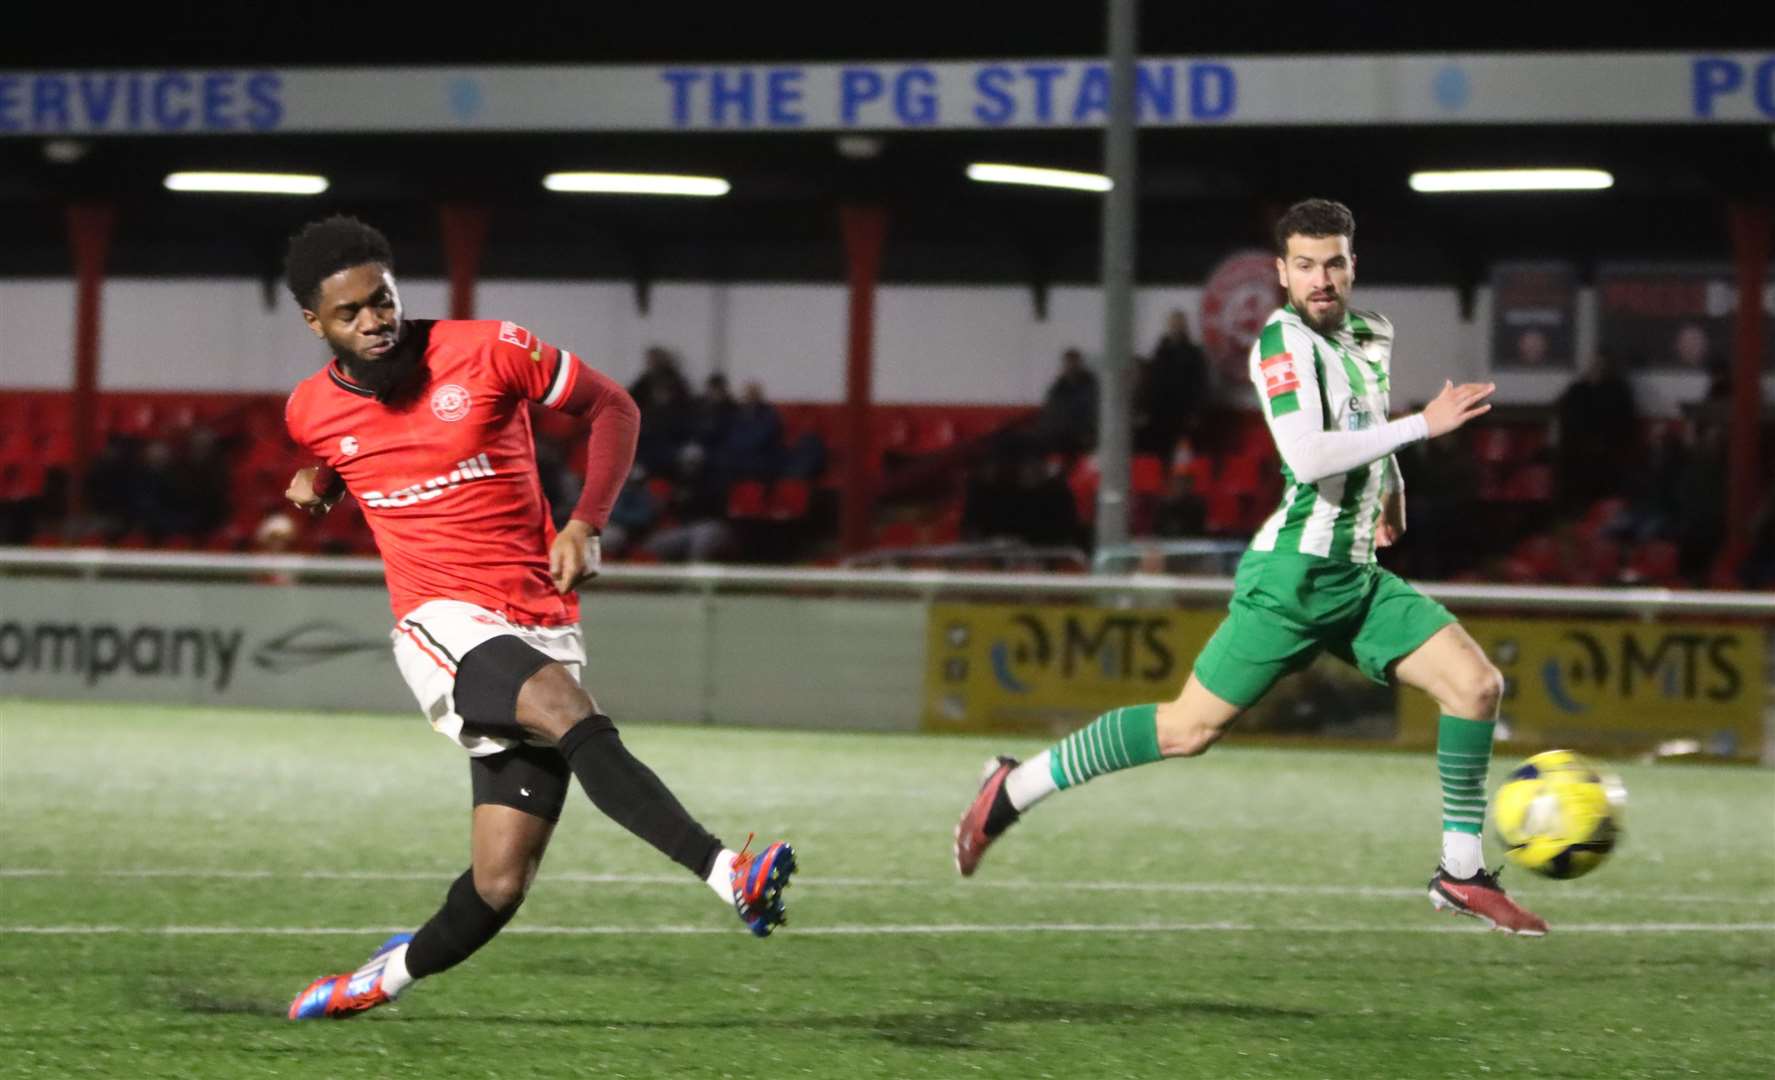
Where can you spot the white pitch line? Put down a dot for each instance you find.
(1240, 888)
(927, 929)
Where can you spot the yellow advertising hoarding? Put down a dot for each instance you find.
(1618, 687)
(1612, 687)
(1042, 669)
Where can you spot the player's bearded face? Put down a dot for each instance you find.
(1318, 272)
(358, 314)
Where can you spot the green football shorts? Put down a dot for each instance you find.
(1286, 607)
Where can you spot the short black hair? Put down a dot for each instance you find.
(1315, 217)
(323, 248)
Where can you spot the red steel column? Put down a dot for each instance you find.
(1750, 245)
(465, 237)
(864, 228)
(89, 239)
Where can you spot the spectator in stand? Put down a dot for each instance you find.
(1182, 511)
(560, 484)
(163, 502)
(1068, 420)
(713, 413)
(1655, 493)
(1442, 497)
(206, 481)
(1598, 431)
(111, 484)
(660, 381)
(634, 512)
(1758, 569)
(1170, 390)
(753, 448)
(667, 419)
(1043, 512)
(987, 501)
(700, 532)
(1701, 513)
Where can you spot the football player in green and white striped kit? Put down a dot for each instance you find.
(1309, 582)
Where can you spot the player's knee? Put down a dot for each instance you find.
(1478, 690)
(1189, 742)
(1181, 735)
(502, 889)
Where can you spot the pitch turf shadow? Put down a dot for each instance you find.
(197, 1001)
(960, 1027)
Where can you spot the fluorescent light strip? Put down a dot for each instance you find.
(1037, 177)
(611, 183)
(1463, 180)
(247, 183)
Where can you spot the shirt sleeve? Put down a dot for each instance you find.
(1286, 378)
(530, 367)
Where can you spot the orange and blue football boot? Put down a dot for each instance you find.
(758, 884)
(335, 997)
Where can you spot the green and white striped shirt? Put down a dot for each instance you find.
(1325, 399)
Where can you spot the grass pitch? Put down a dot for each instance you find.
(170, 878)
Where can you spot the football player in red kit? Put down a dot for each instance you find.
(426, 424)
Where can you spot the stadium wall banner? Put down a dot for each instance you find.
(1674, 317)
(1538, 88)
(1618, 687)
(757, 661)
(1534, 316)
(1041, 669)
(323, 647)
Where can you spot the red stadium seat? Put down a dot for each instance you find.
(1493, 445)
(746, 500)
(1656, 563)
(1532, 483)
(790, 499)
(934, 434)
(899, 534)
(1226, 513)
(1242, 475)
(1147, 475)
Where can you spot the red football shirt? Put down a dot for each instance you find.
(446, 476)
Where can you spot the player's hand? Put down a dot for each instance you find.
(304, 491)
(1391, 526)
(575, 556)
(1456, 405)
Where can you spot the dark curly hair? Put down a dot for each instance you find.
(323, 248)
(1315, 217)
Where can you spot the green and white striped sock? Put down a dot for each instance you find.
(1463, 757)
(1119, 739)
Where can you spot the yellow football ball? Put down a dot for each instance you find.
(1559, 815)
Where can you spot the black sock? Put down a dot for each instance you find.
(628, 793)
(462, 925)
(1002, 815)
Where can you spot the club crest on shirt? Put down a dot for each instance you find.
(1278, 375)
(449, 402)
(348, 445)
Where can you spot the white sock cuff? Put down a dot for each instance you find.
(721, 875)
(1030, 782)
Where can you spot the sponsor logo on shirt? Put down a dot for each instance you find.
(1279, 376)
(475, 468)
(512, 333)
(449, 402)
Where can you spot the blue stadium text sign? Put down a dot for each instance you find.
(1540, 88)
